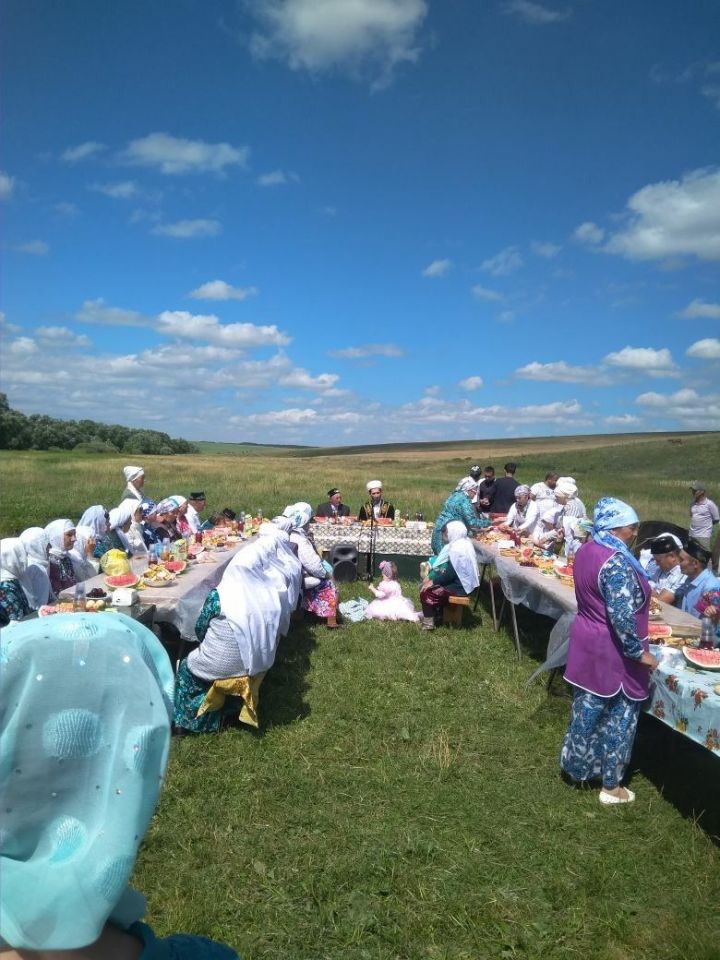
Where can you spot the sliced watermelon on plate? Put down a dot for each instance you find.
(175, 566)
(702, 659)
(121, 580)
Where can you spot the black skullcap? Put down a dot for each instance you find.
(698, 552)
(331, 493)
(475, 471)
(664, 544)
(198, 495)
(230, 514)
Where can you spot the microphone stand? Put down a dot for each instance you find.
(373, 537)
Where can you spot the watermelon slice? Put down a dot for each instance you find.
(175, 566)
(657, 631)
(121, 580)
(702, 659)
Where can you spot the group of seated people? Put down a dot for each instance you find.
(375, 507)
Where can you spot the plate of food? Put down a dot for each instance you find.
(158, 577)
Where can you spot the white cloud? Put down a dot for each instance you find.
(82, 151)
(561, 372)
(95, 311)
(503, 263)
(118, 191)
(471, 383)
(188, 229)
(36, 248)
(701, 308)
(430, 409)
(298, 377)
(547, 250)
(22, 346)
(176, 155)
(188, 326)
(589, 233)
(712, 92)
(625, 420)
(276, 178)
(65, 209)
(438, 268)
(673, 218)
(654, 363)
(532, 12)
(365, 37)
(688, 406)
(507, 316)
(6, 327)
(368, 350)
(61, 337)
(292, 417)
(220, 290)
(7, 185)
(483, 293)
(708, 349)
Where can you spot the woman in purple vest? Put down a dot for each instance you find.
(608, 663)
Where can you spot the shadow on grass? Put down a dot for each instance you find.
(684, 772)
(283, 691)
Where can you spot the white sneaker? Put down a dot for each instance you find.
(612, 798)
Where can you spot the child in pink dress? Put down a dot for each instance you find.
(390, 603)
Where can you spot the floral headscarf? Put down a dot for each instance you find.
(609, 514)
(299, 514)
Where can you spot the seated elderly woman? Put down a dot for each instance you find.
(88, 746)
(121, 519)
(82, 555)
(97, 518)
(36, 580)
(458, 506)
(238, 630)
(14, 603)
(453, 572)
(162, 521)
(61, 534)
(319, 591)
(548, 530)
(522, 516)
(566, 495)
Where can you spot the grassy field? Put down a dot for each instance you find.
(402, 799)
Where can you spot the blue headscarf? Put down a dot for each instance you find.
(84, 738)
(148, 506)
(610, 513)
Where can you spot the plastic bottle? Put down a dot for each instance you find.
(707, 634)
(79, 598)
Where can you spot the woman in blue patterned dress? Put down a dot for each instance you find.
(458, 506)
(609, 662)
(14, 603)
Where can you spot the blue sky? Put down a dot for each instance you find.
(340, 221)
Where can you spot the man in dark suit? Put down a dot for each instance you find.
(505, 490)
(334, 506)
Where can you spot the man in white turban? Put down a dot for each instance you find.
(376, 506)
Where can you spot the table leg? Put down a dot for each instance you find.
(515, 630)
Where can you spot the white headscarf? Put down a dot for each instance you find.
(284, 562)
(566, 487)
(94, 517)
(467, 483)
(36, 543)
(132, 473)
(283, 523)
(82, 565)
(13, 559)
(251, 605)
(119, 516)
(462, 555)
(56, 535)
(299, 514)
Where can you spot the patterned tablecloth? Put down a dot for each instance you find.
(686, 699)
(405, 541)
(181, 602)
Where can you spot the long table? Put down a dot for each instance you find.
(180, 603)
(405, 541)
(683, 698)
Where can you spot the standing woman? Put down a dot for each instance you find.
(61, 534)
(458, 506)
(36, 582)
(609, 662)
(14, 603)
(134, 482)
(319, 591)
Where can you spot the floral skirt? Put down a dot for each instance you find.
(599, 740)
(190, 693)
(321, 600)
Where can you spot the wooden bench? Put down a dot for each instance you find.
(453, 611)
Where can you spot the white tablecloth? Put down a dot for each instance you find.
(181, 602)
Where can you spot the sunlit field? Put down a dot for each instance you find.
(402, 797)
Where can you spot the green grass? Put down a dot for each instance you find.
(402, 800)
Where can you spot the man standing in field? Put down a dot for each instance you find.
(486, 490)
(703, 515)
(544, 490)
(505, 490)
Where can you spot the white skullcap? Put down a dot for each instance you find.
(132, 473)
(373, 485)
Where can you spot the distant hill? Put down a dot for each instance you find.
(210, 448)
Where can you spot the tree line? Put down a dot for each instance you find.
(40, 432)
